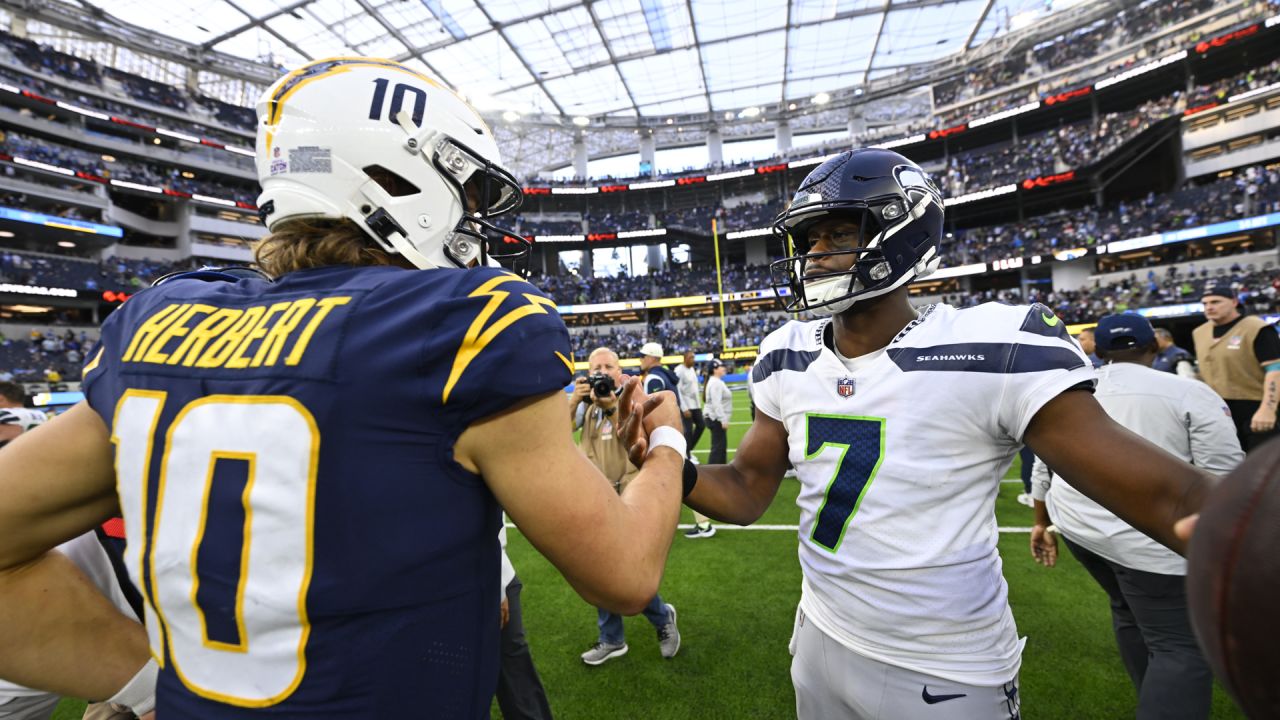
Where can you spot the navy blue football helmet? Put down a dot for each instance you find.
(899, 214)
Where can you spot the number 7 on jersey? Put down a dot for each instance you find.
(860, 442)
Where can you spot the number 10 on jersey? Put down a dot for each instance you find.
(224, 571)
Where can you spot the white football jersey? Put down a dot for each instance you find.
(25, 417)
(88, 555)
(900, 460)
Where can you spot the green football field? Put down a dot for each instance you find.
(736, 594)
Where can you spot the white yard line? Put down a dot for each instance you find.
(795, 528)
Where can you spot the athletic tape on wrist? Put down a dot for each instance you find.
(666, 436)
(139, 694)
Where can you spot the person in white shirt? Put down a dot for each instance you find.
(719, 410)
(689, 390)
(520, 693)
(16, 419)
(85, 551)
(1145, 580)
(900, 424)
(22, 703)
(694, 423)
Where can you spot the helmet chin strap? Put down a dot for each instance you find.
(409, 252)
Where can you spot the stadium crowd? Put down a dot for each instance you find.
(1070, 147)
(133, 170)
(45, 60)
(1252, 191)
(677, 336)
(113, 273)
(1079, 47)
(1221, 90)
(229, 115)
(52, 356)
(1257, 288)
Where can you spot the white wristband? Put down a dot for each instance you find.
(139, 694)
(666, 436)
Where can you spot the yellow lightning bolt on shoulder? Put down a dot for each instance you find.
(478, 336)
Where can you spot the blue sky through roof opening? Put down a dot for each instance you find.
(437, 8)
(656, 19)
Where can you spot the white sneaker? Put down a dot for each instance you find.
(700, 531)
(669, 635)
(1026, 499)
(601, 652)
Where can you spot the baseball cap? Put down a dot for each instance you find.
(652, 349)
(1123, 331)
(1220, 289)
(716, 363)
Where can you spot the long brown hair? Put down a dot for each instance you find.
(302, 244)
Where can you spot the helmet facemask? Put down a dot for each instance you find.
(895, 242)
(482, 190)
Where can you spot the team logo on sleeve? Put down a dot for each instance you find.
(844, 387)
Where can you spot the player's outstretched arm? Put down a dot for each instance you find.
(611, 548)
(1142, 484)
(58, 631)
(741, 491)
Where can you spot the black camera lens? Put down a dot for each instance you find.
(602, 385)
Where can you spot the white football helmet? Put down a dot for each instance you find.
(390, 149)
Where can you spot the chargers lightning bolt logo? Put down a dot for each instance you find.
(478, 336)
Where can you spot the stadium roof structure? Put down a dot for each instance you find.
(615, 62)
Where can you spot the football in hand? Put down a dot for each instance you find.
(1233, 581)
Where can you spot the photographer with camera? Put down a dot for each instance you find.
(593, 406)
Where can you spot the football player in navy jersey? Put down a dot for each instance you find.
(900, 424)
(310, 465)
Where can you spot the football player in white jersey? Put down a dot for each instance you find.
(900, 425)
(14, 418)
(16, 701)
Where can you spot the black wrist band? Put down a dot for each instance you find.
(689, 476)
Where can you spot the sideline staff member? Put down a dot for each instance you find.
(1145, 581)
(1239, 357)
(593, 407)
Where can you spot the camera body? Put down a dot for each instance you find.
(602, 385)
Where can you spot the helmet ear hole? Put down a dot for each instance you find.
(395, 184)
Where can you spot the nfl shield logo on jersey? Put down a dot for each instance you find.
(844, 386)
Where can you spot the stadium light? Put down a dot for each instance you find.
(6, 233)
(750, 112)
(1023, 19)
(66, 244)
(791, 106)
(581, 121)
(108, 158)
(511, 116)
(821, 98)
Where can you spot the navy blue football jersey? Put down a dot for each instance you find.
(303, 540)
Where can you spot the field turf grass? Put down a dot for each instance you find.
(736, 594)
